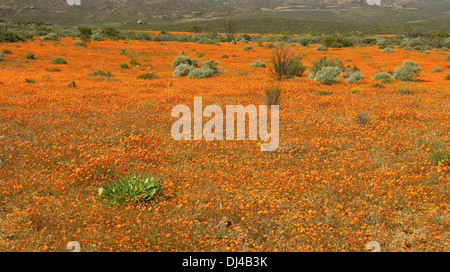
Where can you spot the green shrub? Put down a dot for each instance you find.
(437, 70)
(182, 70)
(305, 41)
(382, 75)
(148, 76)
(444, 48)
(327, 75)
(322, 92)
(407, 48)
(110, 33)
(258, 63)
(199, 54)
(100, 73)
(30, 56)
(205, 40)
(336, 41)
(378, 85)
(124, 66)
(131, 188)
(184, 60)
(405, 91)
(59, 60)
(317, 65)
(285, 64)
(50, 37)
(85, 34)
(447, 77)
(1, 55)
(6, 51)
(27, 80)
(408, 71)
(321, 48)
(8, 36)
(209, 68)
(296, 68)
(78, 43)
(447, 58)
(247, 37)
(355, 77)
(225, 56)
(349, 71)
(247, 48)
(387, 50)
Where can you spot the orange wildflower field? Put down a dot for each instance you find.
(334, 184)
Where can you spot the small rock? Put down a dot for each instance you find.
(71, 84)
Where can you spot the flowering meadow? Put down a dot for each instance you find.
(357, 162)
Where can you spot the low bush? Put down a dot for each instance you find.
(30, 56)
(327, 75)
(50, 37)
(182, 70)
(405, 91)
(148, 76)
(208, 69)
(408, 71)
(78, 43)
(258, 63)
(322, 92)
(317, 65)
(58, 60)
(336, 41)
(100, 73)
(8, 36)
(304, 41)
(387, 50)
(382, 75)
(184, 60)
(355, 77)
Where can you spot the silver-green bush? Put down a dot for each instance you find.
(258, 63)
(183, 70)
(327, 75)
(382, 75)
(355, 77)
(408, 71)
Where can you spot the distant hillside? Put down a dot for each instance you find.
(182, 11)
